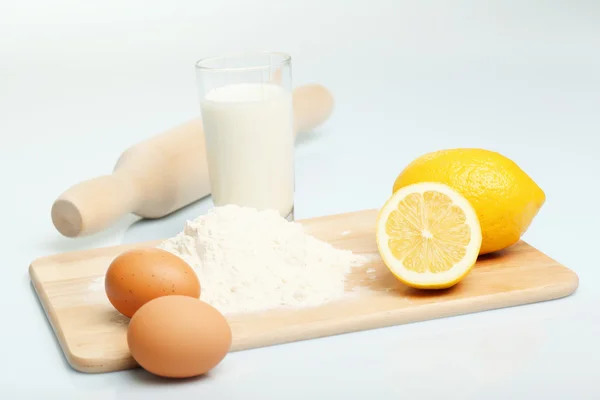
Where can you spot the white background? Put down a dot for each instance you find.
(82, 80)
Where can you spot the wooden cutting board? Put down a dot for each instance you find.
(92, 333)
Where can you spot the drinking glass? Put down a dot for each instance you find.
(247, 117)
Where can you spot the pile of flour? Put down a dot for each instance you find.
(249, 260)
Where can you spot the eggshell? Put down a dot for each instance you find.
(137, 276)
(178, 337)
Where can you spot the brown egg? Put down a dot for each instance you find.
(137, 276)
(178, 337)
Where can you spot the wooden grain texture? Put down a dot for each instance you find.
(92, 333)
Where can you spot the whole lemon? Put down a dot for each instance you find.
(505, 198)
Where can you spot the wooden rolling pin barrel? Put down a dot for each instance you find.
(162, 174)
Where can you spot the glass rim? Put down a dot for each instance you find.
(285, 59)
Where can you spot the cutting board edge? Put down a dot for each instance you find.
(85, 365)
(50, 313)
(398, 317)
(87, 253)
(405, 316)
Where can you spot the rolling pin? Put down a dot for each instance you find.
(162, 174)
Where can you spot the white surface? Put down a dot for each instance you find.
(80, 81)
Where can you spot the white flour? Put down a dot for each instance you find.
(249, 260)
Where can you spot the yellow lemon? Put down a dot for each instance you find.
(428, 235)
(505, 198)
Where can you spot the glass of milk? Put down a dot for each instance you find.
(247, 115)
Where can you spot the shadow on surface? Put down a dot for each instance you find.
(111, 236)
(432, 293)
(306, 138)
(141, 376)
(168, 226)
(491, 256)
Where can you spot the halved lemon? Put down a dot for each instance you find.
(428, 235)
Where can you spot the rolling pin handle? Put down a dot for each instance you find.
(93, 205)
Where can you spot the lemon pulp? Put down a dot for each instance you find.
(428, 235)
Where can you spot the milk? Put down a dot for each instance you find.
(250, 144)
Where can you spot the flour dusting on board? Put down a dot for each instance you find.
(249, 260)
(97, 284)
(95, 290)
